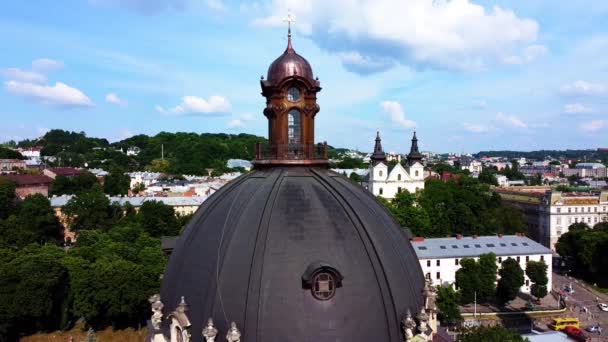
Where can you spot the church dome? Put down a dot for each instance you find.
(289, 64)
(295, 254)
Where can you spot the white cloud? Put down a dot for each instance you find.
(59, 94)
(576, 108)
(396, 114)
(511, 120)
(363, 64)
(216, 5)
(23, 75)
(476, 128)
(234, 123)
(442, 34)
(46, 64)
(196, 105)
(480, 104)
(160, 109)
(529, 54)
(240, 121)
(593, 126)
(584, 88)
(114, 99)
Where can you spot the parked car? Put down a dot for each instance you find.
(603, 306)
(593, 328)
(576, 334)
(568, 289)
(530, 306)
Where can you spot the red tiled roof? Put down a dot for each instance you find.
(65, 171)
(29, 179)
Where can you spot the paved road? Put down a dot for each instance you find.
(584, 297)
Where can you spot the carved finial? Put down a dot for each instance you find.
(210, 332)
(262, 77)
(430, 296)
(422, 321)
(157, 310)
(182, 307)
(233, 335)
(408, 326)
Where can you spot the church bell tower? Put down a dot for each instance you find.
(291, 106)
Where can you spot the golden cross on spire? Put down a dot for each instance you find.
(289, 19)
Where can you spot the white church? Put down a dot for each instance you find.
(381, 181)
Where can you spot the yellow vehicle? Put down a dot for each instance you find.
(561, 323)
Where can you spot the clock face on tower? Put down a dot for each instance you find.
(293, 94)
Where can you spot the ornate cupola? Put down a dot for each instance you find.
(378, 156)
(414, 155)
(291, 107)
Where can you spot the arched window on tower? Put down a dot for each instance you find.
(293, 126)
(380, 191)
(399, 177)
(416, 173)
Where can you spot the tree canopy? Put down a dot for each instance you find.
(537, 273)
(475, 279)
(447, 304)
(584, 251)
(63, 185)
(511, 280)
(464, 207)
(7, 153)
(7, 197)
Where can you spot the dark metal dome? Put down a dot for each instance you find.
(260, 250)
(289, 64)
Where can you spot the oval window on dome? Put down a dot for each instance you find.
(293, 94)
(323, 286)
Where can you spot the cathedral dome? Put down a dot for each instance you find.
(295, 254)
(289, 64)
(292, 251)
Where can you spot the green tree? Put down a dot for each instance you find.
(63, 185)
(139, 187)
(467, 280)
(511, 280)
(351, 163)
(487, 276)
(159, 165)
(490, 334)
(7, 197)
(37, 219)
(583, 250)
(116, 183)
(487, 176)
(33, 289)
(112, 274)
(447, 304)
(7, 153)
(408, 214)
(578, 226)
(158, 219)
(603, 226)
(84, 181)
(89, 210)
(537, 179)
(355, 177)
(537, 273)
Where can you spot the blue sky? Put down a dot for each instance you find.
(468, 75)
